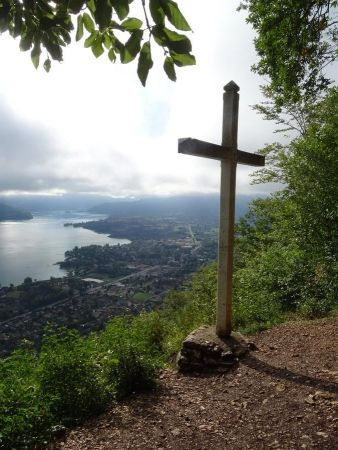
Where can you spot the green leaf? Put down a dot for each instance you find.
(185, 59)
(145, 63)
(75, 6)
(169, 68)
(79, 30)
(179, 43)
(65, 36)
(26, 41)
(91, 5)
(97, 48)
(4, 15)
(103, 13)
(107, 41)
(112, 55)
(35, 54)
(18, 24)
(121, 7)
(176, 42)
(156, 12)
(89, 41)
(47, 65)
(47, 22)
(174, 15)
(88, 23)
(116, 26)
(159, 35)
(118, 46)
(54, 50)
(132, 47)
(132, 24)
(3, 25)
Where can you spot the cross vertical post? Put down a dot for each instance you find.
(229, 155)
(227, 210)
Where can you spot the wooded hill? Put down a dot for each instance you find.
(10, 213)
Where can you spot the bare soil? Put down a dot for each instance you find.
(284, 396)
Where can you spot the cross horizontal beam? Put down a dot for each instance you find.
(195, 147)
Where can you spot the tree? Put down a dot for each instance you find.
(308, 167)
(311, 174)
(296, 40)
(27, 281)
(289, 242)
(45, 26)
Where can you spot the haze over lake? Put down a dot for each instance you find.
(31, 248)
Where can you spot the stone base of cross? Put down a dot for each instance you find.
(229, 155)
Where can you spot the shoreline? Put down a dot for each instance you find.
(32, 248)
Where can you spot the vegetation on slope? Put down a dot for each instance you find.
(9, 213)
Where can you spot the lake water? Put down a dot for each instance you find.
(31, 248)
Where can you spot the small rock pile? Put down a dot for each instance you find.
(203, 351)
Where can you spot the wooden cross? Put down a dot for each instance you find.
(229, 156)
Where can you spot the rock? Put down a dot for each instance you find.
(322, 434)
(310, 400)
(176, 432)
(204, 350)
(324, 395)
(280, 388)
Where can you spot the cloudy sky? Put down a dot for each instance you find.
(89, 125)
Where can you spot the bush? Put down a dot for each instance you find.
(312, 308)
(130, 352)
(131, 372)
(69, 379)
(188, 309)
(144, 333)
(25, 417)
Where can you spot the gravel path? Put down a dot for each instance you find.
(282, 396)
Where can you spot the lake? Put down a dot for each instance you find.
(31, 248)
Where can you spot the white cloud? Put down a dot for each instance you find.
(103, 132)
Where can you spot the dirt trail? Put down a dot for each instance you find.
(282, 396)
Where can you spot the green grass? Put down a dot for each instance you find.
(141, 297)
(14, 294)
(99, 276)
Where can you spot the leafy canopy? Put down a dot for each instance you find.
(296, 40)
(107, 26)
(300, 221)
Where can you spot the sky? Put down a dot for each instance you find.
(88, 126)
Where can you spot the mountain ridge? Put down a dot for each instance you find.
(202, 207)
(10, 213)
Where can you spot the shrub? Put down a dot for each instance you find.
(25, 417)
(313, 308)
(69, 378)
(131, 372)
(130, 351)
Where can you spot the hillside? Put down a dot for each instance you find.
(11, 213)
(64, 202)
(203, 208)
(190, 206)
(282, 396)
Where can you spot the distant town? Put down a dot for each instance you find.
(106, 281)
